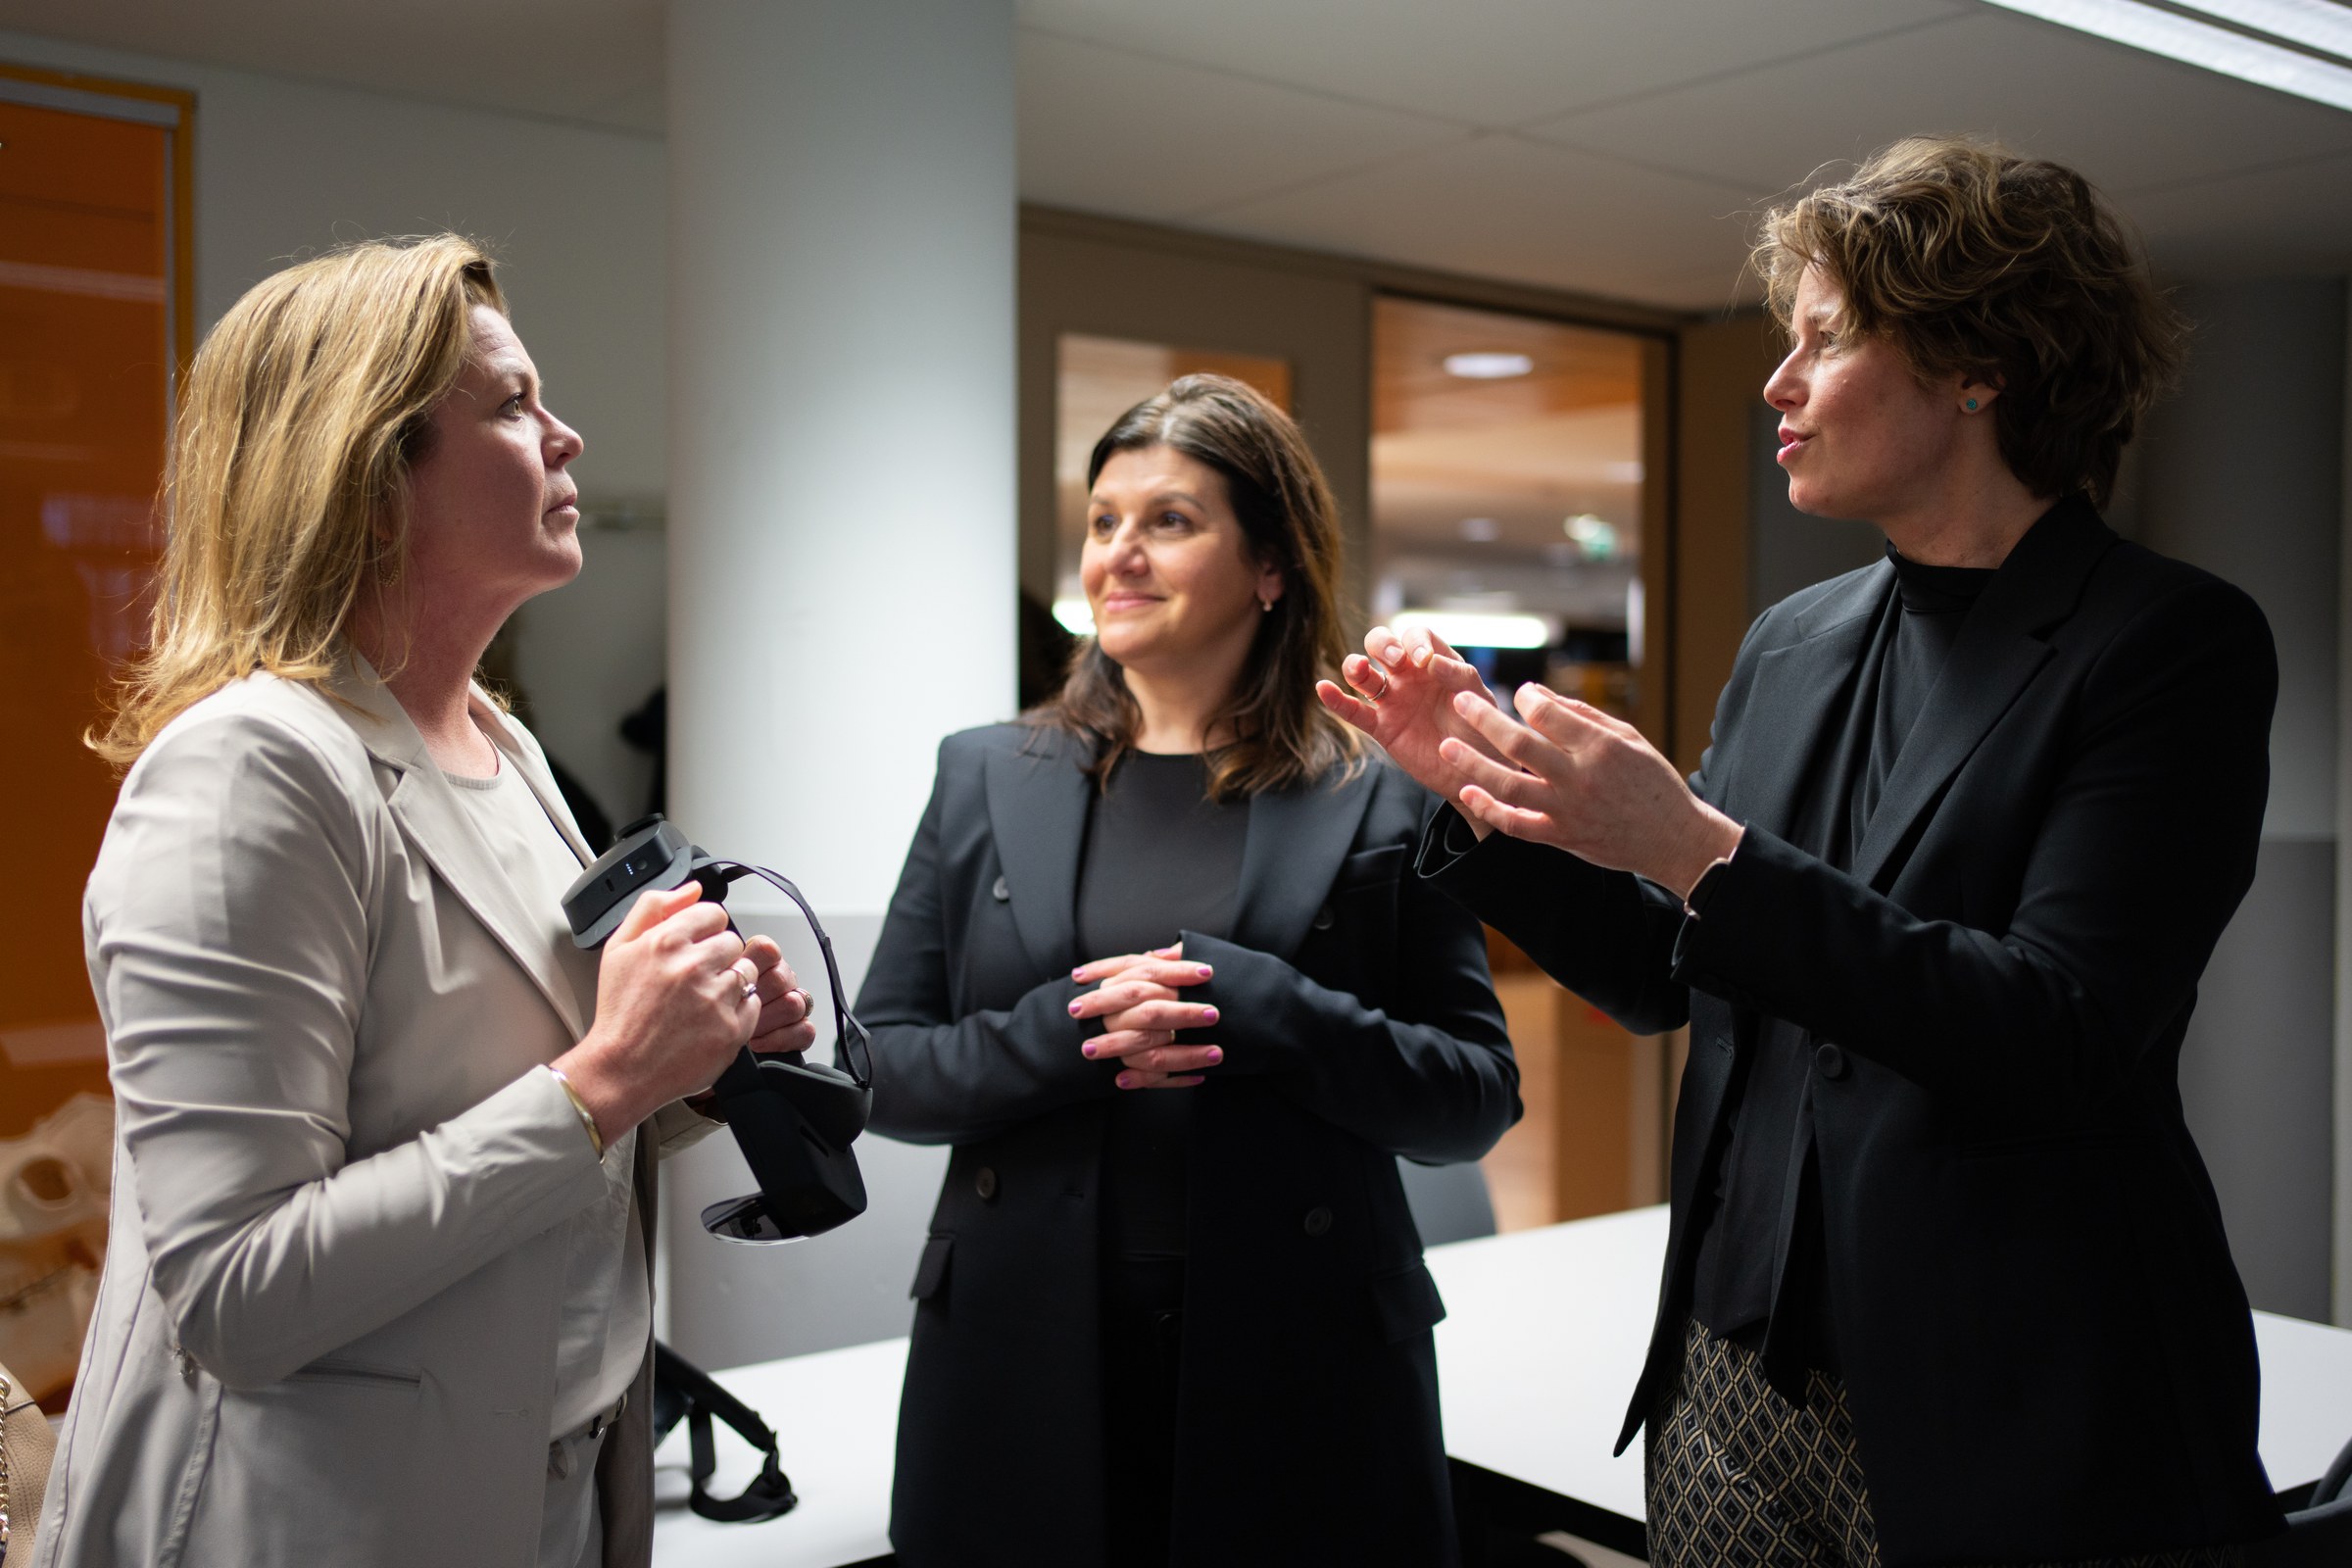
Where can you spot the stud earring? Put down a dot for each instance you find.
(1970, 405)
(1265, 607)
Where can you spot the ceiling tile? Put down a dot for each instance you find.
(2293, 219)
(2123, 117)
(558, 58)
(1488, 62)
(1506, 208)
(1110, 132)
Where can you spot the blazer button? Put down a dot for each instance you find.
(1830, 1060)
(1318, 1221)
(1002, 892)
(1325, 920)
(984, 1184)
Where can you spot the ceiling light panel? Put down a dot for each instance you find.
(2321, 24)
(2201, 43)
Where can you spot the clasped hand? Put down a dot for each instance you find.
(1140, 1011)
(1571, 776)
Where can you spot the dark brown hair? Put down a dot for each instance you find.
(2012, 271)
(1279, 734)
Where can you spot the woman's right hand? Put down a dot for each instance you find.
(675, 999)
(1140, 1011)
(1408, 684)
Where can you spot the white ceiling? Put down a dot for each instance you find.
(1612, 146)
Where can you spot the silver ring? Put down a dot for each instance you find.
(1383, 683)
(807, 1002)
(751, 990)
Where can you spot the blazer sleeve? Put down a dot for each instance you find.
(230, 938)
(1430, 1077)
(2146, 845)
(944, 1078)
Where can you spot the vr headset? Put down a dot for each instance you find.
(794, 1119)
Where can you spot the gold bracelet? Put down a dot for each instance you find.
(596, 1140)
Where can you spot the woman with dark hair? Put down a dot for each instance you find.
(1947, 1281)
(1156, 972)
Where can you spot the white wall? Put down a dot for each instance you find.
(2242, 474)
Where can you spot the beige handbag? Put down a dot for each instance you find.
(25, 1447)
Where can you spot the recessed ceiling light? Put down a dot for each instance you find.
(2285, 66)
(1488, 365)
(1479, 530)
(1594, 538)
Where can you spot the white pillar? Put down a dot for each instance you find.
(842, 546)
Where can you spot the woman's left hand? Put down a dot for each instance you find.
(1588, 783)
(785, 1005)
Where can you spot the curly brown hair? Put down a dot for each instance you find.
(1280, 736)
(2011, 270)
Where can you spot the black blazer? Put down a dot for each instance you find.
(1358, 1025)
(2045, 1344)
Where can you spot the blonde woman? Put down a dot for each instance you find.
(377, 1286)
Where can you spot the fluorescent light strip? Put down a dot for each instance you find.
(1462, 628)
(2320, 25)
(2198, 44)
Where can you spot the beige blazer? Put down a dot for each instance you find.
(327, 1329)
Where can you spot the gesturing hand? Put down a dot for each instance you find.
(1409, 687)
(1141, 1013)
(1577, 779)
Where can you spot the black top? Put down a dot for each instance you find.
(1755, 1219)
(1161, 857)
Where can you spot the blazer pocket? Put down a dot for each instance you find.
(360, 1375)
(931, 1274)
(1370, 868)
(1405, 1302)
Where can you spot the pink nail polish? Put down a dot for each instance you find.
(1206, 971)
(1215, 1055)
(1073, 1009)
(1209, 1015)
(1088, 1048)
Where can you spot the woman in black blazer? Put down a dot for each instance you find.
(1947, 1282)
(1157, 969)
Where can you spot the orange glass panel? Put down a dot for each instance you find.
(84, 404)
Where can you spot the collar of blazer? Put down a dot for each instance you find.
(2001, 646)
(437, 821)
(1037, 804)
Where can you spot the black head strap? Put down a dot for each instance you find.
(768, 1496)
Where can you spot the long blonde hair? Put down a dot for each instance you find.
(284, 495)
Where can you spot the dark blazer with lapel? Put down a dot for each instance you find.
(1358, 1025)
(2045, 1344)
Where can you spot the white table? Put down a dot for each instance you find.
(1544, 1337)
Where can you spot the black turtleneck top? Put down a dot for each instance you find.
(1762, 1220)
(1161, 857)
